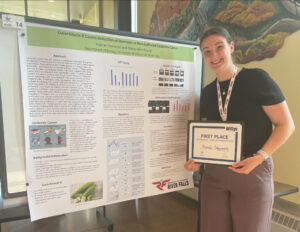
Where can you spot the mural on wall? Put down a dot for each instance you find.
(258, 27)
(171, 17)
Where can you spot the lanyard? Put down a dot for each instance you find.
(223, 111)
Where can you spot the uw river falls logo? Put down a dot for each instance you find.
(160, 184)
(170, 184)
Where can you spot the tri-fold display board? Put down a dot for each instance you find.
(100, 117)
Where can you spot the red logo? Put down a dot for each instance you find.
(160, 184)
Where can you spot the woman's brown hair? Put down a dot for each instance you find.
(216, 31)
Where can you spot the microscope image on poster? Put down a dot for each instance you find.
(47, 136)
(159, 106)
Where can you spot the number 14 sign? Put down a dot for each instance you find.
(13, 21)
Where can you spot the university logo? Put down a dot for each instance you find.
(160, 184)
(178, 183)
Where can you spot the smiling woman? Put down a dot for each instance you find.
(244, 203)
(217, 50)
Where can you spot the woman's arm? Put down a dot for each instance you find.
(281, 118)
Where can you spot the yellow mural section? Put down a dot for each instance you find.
(145, 10)
(242, 15)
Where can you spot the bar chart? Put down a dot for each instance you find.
(179, 107)
(123, 78)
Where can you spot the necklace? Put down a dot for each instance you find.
(223, 89)
(223, 111)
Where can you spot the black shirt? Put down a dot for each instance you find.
(253, 88)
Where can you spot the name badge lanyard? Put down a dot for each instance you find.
(223, 111)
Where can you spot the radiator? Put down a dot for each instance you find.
(285, 216)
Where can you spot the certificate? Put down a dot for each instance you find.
(215, 142)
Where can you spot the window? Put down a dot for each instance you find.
(12, 7)
(49, 9)
(85, 12)
(98, 13)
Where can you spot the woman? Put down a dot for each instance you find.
(239, 198)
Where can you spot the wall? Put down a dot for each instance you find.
(284, 68)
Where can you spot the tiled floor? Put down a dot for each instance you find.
(171, 212)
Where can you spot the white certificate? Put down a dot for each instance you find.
(215, 142)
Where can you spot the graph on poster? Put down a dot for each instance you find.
(179, 107)
(123, 77)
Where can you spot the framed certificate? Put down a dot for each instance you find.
(215, 142)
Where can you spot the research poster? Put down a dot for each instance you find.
(105, 117)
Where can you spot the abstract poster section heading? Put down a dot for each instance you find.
(105, 117)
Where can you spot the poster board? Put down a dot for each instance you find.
(131, 96)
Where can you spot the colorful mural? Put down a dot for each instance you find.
(258, 27)
(171, 17)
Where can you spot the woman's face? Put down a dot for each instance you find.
(217, 52)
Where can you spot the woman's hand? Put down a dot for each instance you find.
(191, 166)
(247, 165)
